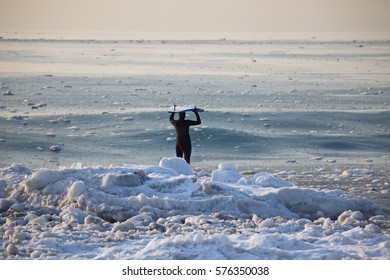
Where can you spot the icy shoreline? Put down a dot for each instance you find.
(170, 211)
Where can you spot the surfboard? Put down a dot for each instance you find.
(179, 109)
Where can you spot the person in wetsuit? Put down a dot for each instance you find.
(183, 140)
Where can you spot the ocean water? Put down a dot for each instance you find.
(291, 160)
(296, 103)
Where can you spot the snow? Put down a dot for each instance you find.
(176, 164)
(226, 173)
(170, 211)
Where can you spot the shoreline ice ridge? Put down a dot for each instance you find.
(168, 211)
(119, 193)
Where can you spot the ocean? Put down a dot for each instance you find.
(310, 109)
(265, 100)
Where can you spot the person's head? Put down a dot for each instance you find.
(182, 115)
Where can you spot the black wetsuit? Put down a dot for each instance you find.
(183, 139)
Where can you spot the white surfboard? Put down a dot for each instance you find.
(179, 109)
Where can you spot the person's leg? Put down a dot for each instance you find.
(187, 156)
(187, 149)
(179, 151)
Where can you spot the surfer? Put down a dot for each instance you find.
(183, 140)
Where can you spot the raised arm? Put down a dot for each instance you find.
(197, 117)
(198, 121)
(171, 119)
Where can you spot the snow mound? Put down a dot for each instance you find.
(266, 180)
(226, 173)
(177, 164)
(123, 180)
(41, 179)
(76, 190)
(150, 210)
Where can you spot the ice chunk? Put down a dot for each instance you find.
(41, 179)
(12, 249)
(373, 228)
(177, 164)
(226, 173)
(77, 189)
(5, 204)
(227, 166)
(123, 180)
(72, 214)
(266, 180)
(348, 217)
(267, 223)
(356, 172)
(40, 221)
(125, 226)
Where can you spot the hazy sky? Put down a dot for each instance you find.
(196, 15)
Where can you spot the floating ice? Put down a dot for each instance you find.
(55, 148)
(357, 172)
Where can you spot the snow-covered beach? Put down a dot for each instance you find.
(290, 162)
(170, 212)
